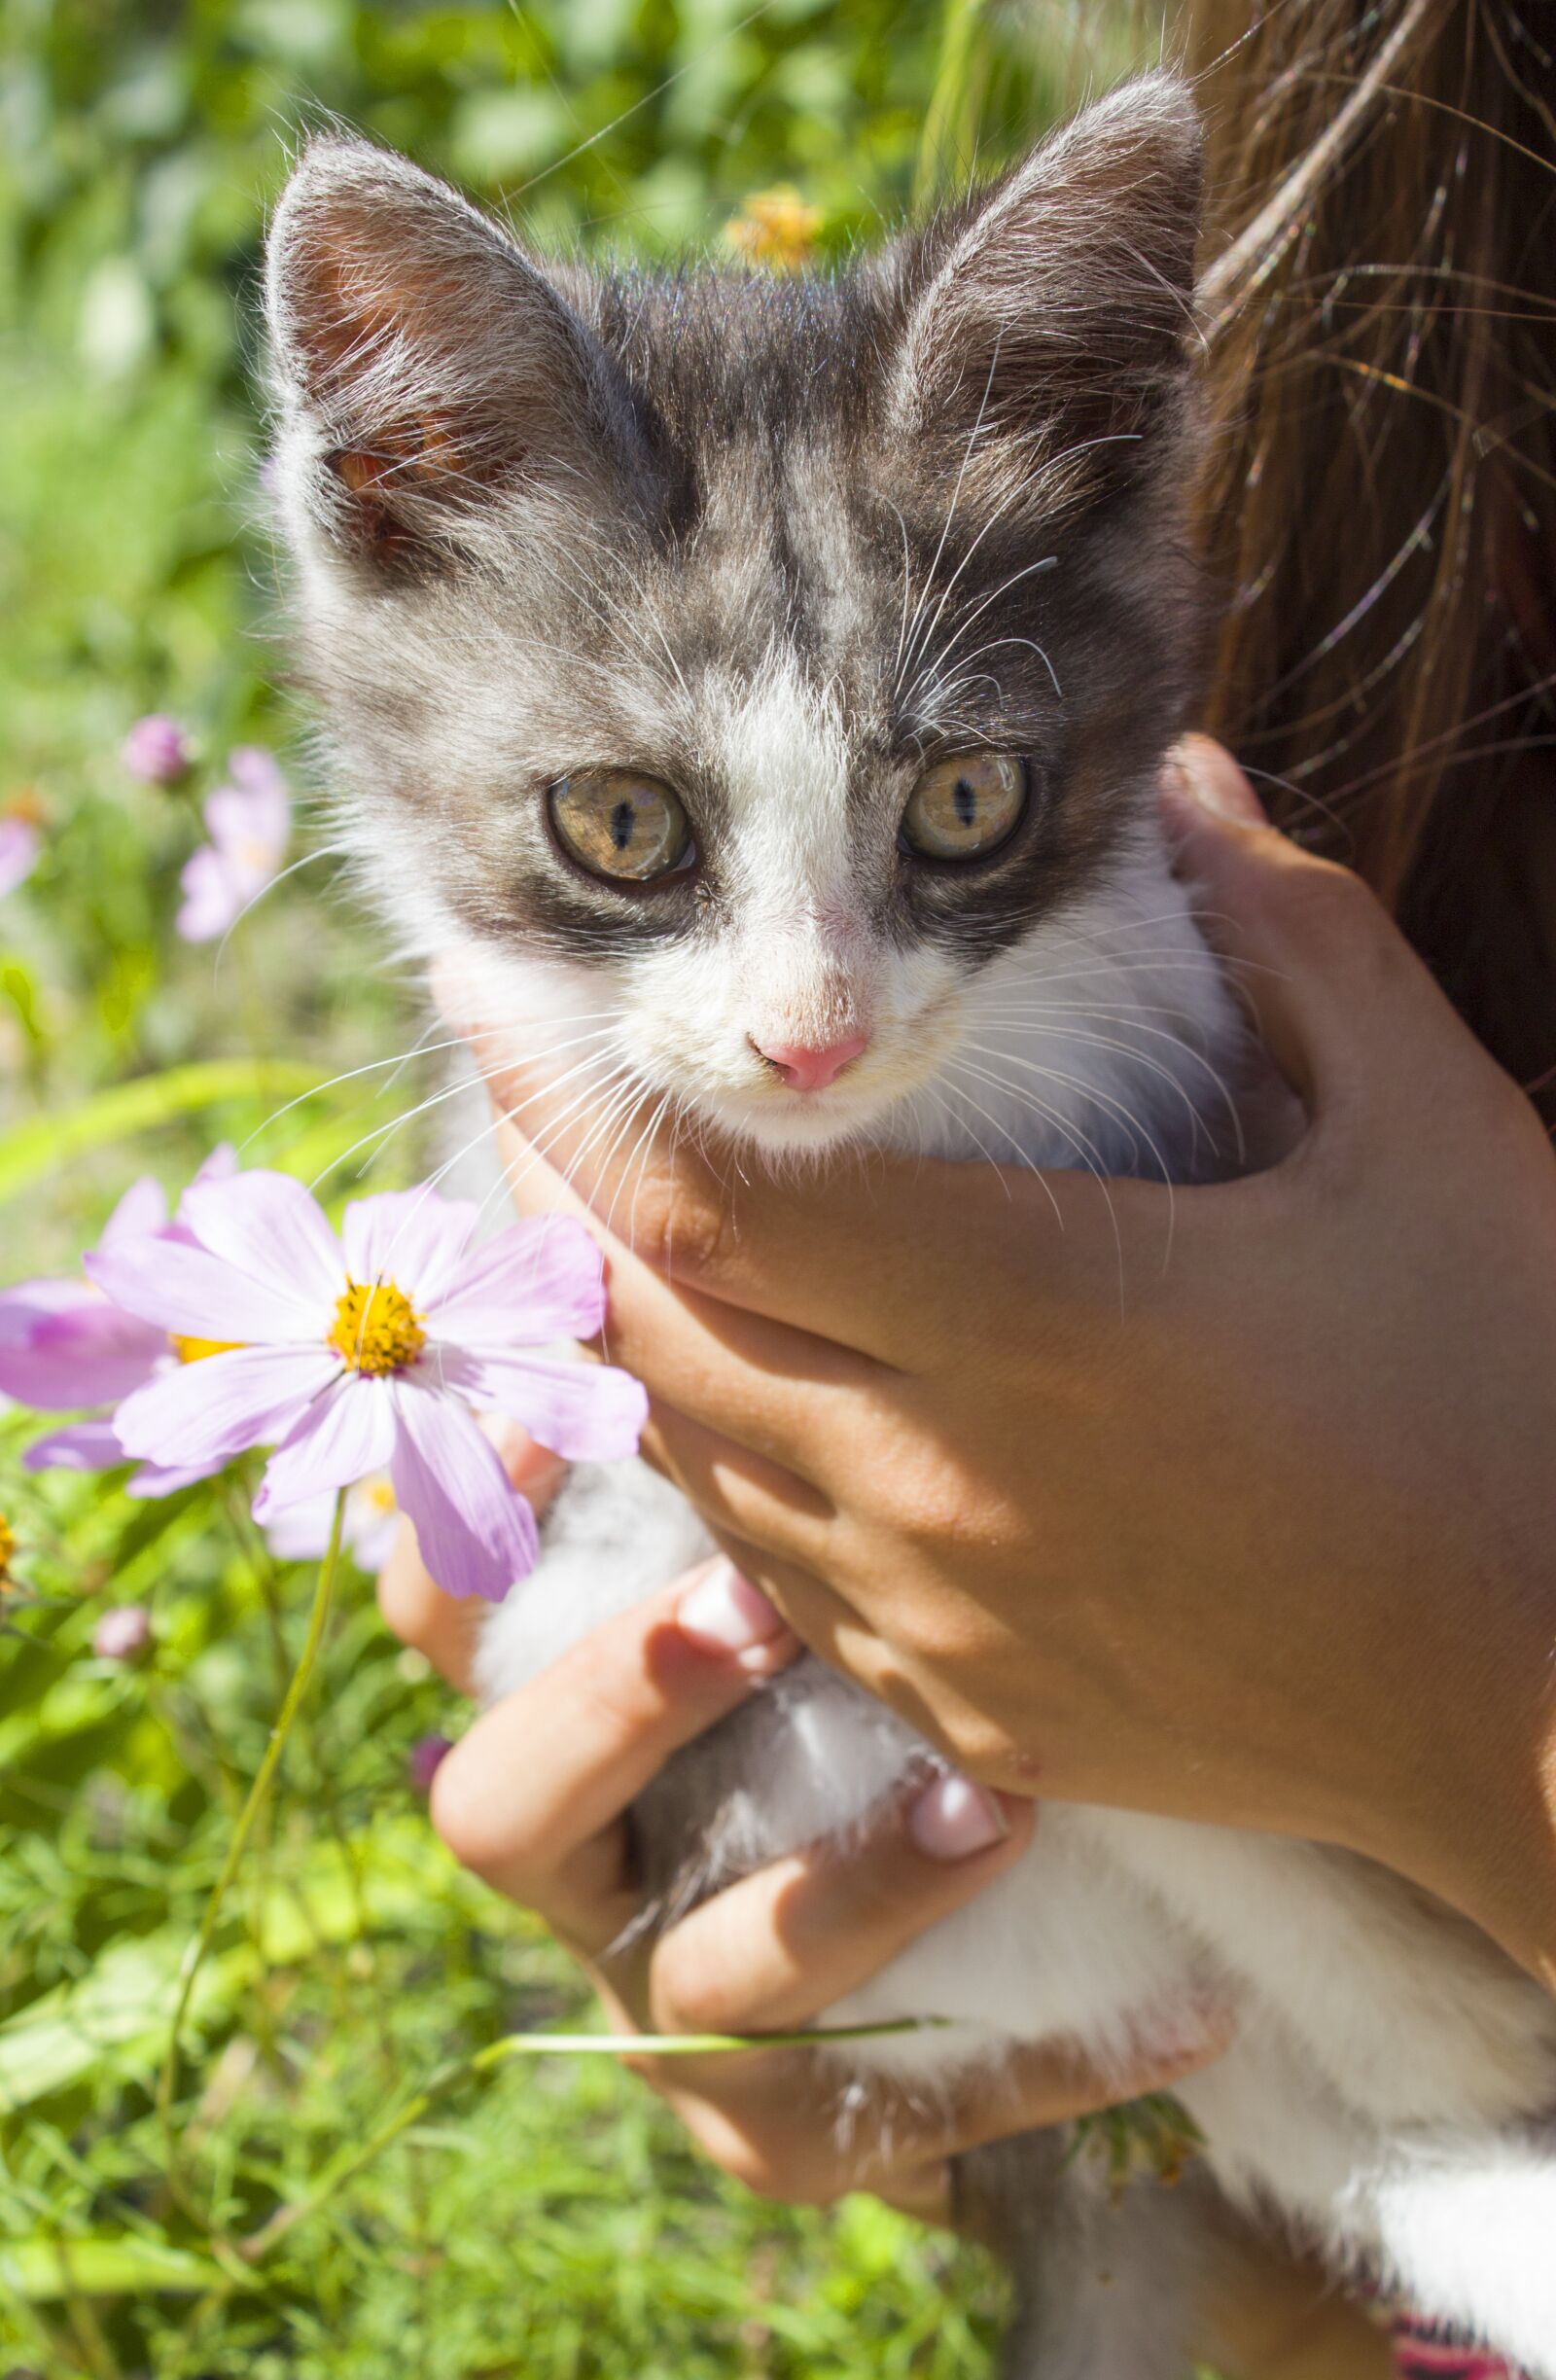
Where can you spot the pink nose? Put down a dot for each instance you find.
(811, 1070)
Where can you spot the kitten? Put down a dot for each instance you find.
(759, 686)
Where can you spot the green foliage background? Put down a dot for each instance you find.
(551, 2222)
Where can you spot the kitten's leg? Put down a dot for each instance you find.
(1103, 2283)
(615, 1535)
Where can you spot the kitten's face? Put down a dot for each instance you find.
(755, 675)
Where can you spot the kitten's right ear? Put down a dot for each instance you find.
(423, 362)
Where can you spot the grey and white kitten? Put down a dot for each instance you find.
(757, 686)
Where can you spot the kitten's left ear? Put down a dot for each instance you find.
(1045, 323)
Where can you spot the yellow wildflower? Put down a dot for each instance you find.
(775, 228)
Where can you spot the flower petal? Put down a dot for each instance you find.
(27, 1303)
(256, 771)
(584, 1412)
(181, 1286)
(55, 1381)
(535, 1282)
(85, 1445)
(301, 1533)
(202, 1414)
(337, 1442)
(92, 1354)
(142, 1209)
(19, 845)
(269, 1227)
(155, 1479)
(211, 898)
(413, 1239)
(476, 1535)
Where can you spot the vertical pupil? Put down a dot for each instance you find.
(966, 802)
(623, 824)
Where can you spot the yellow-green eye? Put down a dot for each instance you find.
(961, 808)
(617, 823)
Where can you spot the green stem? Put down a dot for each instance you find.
(951, 118)
(516, 2045)
(259, 1791)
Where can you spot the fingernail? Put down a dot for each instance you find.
(953, 1818)
(1202, 776)
(726, 1614)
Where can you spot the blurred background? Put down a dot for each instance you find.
(546, 2221)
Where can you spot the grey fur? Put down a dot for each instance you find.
(563, 478)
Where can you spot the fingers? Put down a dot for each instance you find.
(775, 2123)
(738, 1491)
(767, 1953)
(447, 1630)
(532, 1798)
(1333, 987)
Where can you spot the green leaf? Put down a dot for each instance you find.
(37, 1147)
(117, 2018)
(103, 2267)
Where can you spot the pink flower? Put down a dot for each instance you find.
(63, 1345)
(122, 1634)
(367, 1353)
(250, 823)
(368, 1531)
(19, 845)
(155, 750)
(427, 1755)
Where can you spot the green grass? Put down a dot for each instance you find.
(548, 2219)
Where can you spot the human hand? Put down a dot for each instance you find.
(533, 1798)
(1230, 1502)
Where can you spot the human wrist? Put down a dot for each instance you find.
(1483, 1838)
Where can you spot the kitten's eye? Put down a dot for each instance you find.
(961, 808)
(617, 823)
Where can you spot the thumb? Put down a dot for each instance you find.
(1313, 955)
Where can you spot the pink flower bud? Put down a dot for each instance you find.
(122, 1634)
(155, 750)
(427, 1757)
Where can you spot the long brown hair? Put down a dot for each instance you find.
(1380, 504)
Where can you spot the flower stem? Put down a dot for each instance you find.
(259, 1791)
(515, 2045)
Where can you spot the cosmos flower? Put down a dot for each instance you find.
(155, 750)
(63, 1345)
(368, 1531)
(775, 228)
(427, 1755)
(123, 1633)
(369, 1353)
(250, 823)
(19, 844)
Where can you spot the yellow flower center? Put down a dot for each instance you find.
(7, 1548)
(195, 1350)
(376, 1327)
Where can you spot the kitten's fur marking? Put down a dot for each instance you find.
(777, 543)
